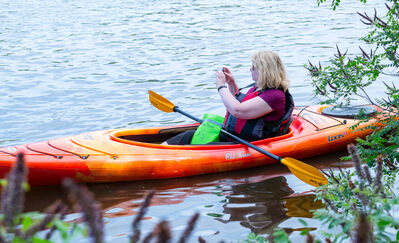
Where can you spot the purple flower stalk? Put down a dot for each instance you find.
(136, 223)
(89, 207)
(13, 195)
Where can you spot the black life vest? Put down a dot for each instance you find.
(258, 128)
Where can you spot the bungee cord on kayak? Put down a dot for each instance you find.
(45, 153)
(66, 151)
(304, 108)
(1, 151)
(113, 156)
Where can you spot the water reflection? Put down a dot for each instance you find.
(302, 205)
(263, 205)
(258, 205)
(258, 200)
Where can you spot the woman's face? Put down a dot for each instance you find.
(255, 73)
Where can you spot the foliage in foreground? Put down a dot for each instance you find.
(361, 205)
(19, 227)
(16, 226)
(348, 77)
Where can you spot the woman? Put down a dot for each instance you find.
(264, 111)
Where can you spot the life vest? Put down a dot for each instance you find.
(258, 128)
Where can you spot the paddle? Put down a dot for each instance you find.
(304, 172)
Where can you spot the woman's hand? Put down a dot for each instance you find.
(226, 77)
(229, 76)
(220, 78)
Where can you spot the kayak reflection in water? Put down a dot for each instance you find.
(262, 206)
(264, 111)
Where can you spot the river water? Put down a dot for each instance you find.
(68, 67)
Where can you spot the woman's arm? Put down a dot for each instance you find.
(249, 109)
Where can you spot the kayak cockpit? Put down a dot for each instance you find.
(148, 135)
(159, 135)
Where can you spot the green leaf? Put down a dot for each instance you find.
(39, 240)
(62, 228)
(33, 215)
(251, 236)
(280, 236)
(3, 182)
(303, 222)
(16, 239)
(26, 222)
(26, 186)
(216, 215)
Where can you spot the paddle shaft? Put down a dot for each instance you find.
(304, 172)
(240, 140)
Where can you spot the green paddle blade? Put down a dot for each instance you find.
(305, 172)
(160, 102)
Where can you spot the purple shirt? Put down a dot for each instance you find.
(275, 98)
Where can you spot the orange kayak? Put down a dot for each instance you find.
(136, 154)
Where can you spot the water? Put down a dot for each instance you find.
(68, 67)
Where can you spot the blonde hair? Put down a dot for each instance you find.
(271, 70)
